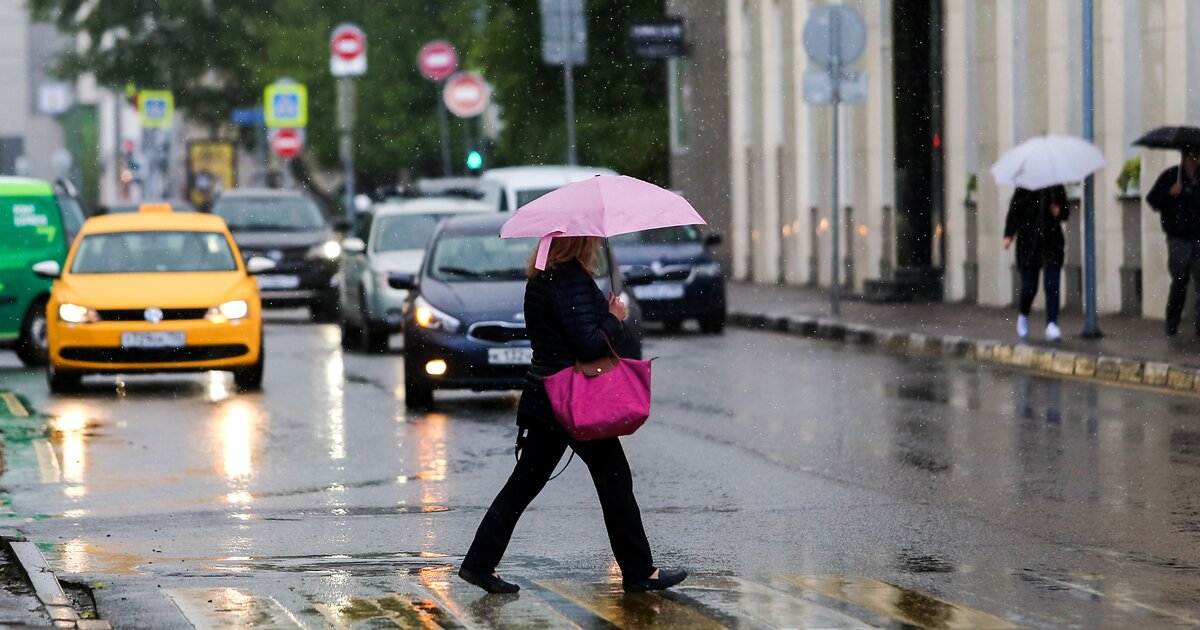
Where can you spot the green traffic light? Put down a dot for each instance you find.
(474, 160)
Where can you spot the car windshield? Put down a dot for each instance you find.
(405, 231)
(485, 257)
(526, 196)
(661, 236)
(153, 252)
(267, 214)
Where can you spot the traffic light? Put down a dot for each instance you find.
(474, 160)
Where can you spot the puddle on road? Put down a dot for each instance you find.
(912, 562)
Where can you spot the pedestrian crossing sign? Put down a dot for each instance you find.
(156, 108)
(285, 105)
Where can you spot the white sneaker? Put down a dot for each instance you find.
(1052, 332)
(1022, 326)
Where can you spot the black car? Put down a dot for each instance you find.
(289, 228)
(464, 322)
(678, 277)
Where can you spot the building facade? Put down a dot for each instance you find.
(951, 85)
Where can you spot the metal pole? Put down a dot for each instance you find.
(444, 125)
(346, 129)
(835, 72)
(119, 152)
(1091, 329)
(260, 153)
(569, 81)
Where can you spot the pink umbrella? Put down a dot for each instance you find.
(605, 205)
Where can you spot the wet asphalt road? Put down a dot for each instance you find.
(805, 484)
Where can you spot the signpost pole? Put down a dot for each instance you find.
(346, 131)
(444, 125)
(1091, 329)
(835, 72)
(569, 82)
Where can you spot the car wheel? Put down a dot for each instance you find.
(351, 336)
(673, 325)
(61, 382)
(249, 379)
(324, 311)
(375, 338)
(33, 346)
(416, 394)
(713, 324)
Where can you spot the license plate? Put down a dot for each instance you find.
(659, 291)
(510, 356)
(278, 282)
(153, 340)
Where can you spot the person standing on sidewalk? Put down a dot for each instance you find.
(1035, 219)
(1176, 198)
(568, 319)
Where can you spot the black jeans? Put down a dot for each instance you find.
(1051, 275)
(541, 451)
(1183, 261)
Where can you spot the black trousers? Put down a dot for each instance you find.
(1183, 262)
(1051, 275)
(541, 452)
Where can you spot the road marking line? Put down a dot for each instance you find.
(47, 461)
(901, 604)
(219, 608)
(14, 404)
(647, 610)
(1124, 599)
(474, 608)
(397, 608)
(775, 608)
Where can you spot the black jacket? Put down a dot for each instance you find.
(567, 319)
(1180, 216)
(1039, 234)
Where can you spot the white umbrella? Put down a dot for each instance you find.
(1047, 161)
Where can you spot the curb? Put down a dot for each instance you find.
(1165, 377)
(48, 589)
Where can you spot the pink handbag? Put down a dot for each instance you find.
(607, 397)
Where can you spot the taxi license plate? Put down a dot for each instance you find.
(658, 291)
(153, 340)
(278, 282)
(510, 356)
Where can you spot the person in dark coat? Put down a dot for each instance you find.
(1035, 219)
(1176, 198)
(568, 319)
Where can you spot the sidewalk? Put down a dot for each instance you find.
(1133, 350)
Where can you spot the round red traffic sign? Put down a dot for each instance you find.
(437, 60)
(287, 143)
(466, 94)
(348, 42)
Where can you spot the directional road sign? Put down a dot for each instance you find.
(348, 51)
(285, 104)
(156, 107)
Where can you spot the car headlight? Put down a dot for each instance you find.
(709, 270)
(427, 316)
(228, 312)
(76, 314)
(329, 250)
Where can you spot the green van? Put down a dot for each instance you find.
(34, 227)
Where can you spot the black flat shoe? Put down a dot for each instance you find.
(666, 579)
(488, 582)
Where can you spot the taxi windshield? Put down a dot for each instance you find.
(153, 252)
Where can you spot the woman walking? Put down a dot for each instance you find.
(1035, 219)
(568, 319)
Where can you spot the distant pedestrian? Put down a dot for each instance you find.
(1035, 219)
(1176, 197)
(568, 319)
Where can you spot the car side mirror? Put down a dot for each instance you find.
(48, 269)
(712, 240)
(353, 245)
(405, 281)
(258, 264)
(637, 277)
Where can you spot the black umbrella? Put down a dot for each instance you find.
(1185, 139)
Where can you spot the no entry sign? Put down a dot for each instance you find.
(437, 60)
(466, 94)
(287, 143)
(348, 51)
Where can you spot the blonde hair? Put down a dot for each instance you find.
(585, 249)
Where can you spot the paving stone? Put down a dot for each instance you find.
(1129, 371)
(1043, 360)
(1181, 378)
(1108, 368)
(1063, 363)
(1022, 356)
(1155, 374)
(1085, 366)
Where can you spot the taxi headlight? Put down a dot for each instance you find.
(76, 314)
(329, 250)
(429, 317)
(227, 312)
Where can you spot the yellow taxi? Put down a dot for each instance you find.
(154, 291)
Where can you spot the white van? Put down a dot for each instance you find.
(521, 184)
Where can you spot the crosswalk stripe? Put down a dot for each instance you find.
(648, 611)
(47, 461)
(771, 607)
(399, 609)
(14, 404)
(219, 608)
(901, 604)
(476, 608)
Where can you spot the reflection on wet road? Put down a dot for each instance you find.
(804, 484)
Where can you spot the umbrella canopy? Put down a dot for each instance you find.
(605, 205)
(1047, 161)
(1177, 138)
